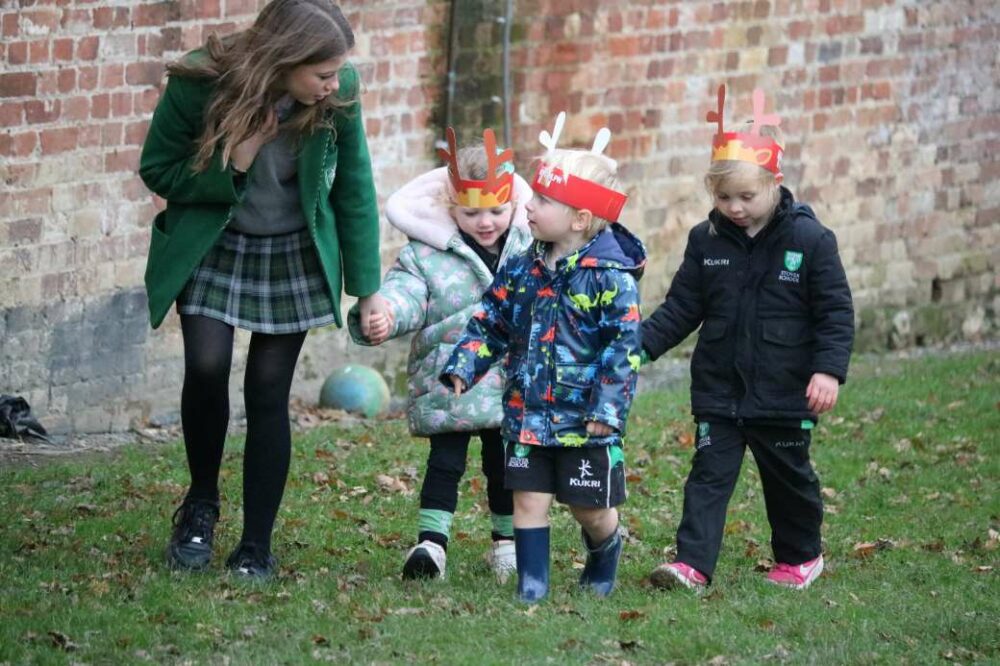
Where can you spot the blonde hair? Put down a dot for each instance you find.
(720, 172)
(472, 165)
(588, 166)
(249, 66)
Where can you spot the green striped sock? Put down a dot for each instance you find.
(432, 520)
(503, 525)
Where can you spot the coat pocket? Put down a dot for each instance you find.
(574, 383)
(784, 360)
(158, 241)
(712, 370)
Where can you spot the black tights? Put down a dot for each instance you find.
(208, 353)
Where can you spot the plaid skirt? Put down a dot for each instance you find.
(264, 284)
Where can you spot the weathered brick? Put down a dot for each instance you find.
(18, 84)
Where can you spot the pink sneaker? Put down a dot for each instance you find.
(796, 576)
(678, 574)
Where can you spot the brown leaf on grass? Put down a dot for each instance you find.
(766, 625)
(983, 569)
(641, 458)
(475, 485)
(633, 478)
(719, 660)
(406, 611)
(629, 615)
(935, 546)
(763, 565)
(62, 641)
(320, 640)
(736, 527)
(321, 478)
(323, 454)
(752, 548)
(685, 440)
(868, 549)
(951, 406)
(569, 644)
(628, 646)
(874, 415)
(828, 493)
(392, 484)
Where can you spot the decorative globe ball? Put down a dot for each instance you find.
(355, 388)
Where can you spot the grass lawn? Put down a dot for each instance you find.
(908, 463)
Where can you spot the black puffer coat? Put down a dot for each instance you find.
(773, 310)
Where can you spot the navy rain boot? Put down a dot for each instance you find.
(601, 569)
(532, 549)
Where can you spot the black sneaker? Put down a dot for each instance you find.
(190, 545)
(252, 562)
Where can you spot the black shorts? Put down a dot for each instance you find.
(578, 476)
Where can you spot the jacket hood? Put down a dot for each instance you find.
(419, 209)
(614, 247)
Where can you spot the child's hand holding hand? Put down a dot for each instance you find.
(376, 318)
(598, 429)
(822, 392)
(458, 384)
(379, 327)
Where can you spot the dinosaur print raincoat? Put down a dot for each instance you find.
(568, 339)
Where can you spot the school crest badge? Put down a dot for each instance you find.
(793, 260)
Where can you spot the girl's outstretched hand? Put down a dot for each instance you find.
(822, 392)
(598, 429)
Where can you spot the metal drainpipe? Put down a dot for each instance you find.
(507, 19)
(452, 76)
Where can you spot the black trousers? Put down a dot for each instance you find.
(791, 492)
(446, 465)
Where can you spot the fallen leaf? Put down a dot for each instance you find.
(685, 440)
(392, 484)
(629, 645)
(737, 526)
(629, 615)
(828, 493)
(62, 641)
(983, 569)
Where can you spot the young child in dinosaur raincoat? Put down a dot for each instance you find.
(565, 315)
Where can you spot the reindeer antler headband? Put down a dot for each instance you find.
(753, 147)
(489, 193)
(571, 190)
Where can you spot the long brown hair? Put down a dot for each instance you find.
(249, 66)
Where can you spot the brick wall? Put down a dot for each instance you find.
(890, 113)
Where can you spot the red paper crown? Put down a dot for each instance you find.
(574, 191)
(753, 147)
(490, 193)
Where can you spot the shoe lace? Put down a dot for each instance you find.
(196, 519)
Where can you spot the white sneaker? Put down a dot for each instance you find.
(503, 559)
(425, 560)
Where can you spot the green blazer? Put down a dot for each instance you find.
(335, 183)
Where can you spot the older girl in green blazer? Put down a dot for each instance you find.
(258, 147)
